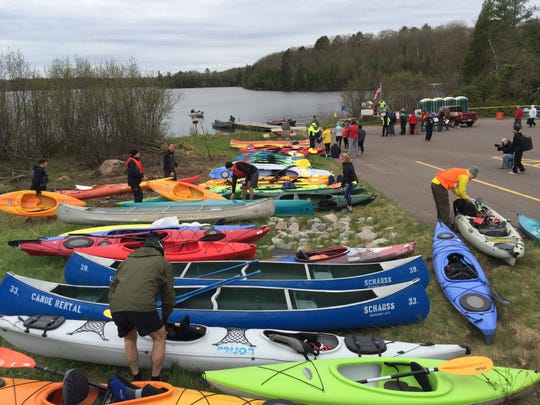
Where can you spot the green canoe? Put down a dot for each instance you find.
(336, 381)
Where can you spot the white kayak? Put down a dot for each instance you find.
(492, 234)
(198, 348)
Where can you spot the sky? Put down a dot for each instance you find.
(178, 35)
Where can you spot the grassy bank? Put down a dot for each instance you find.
(515, 341)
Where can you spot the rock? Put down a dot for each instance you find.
(366, 234)
(332, 218)
(294, 228)
(112, 167)
(281, 225)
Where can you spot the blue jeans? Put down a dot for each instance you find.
(507, 161)
(349, 189)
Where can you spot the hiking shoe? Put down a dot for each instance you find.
(512, 173)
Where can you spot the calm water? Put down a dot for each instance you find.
(246, 105)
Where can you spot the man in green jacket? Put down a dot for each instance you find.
(144, 275)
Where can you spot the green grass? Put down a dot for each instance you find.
(515, 341)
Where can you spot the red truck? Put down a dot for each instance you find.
(457, 116)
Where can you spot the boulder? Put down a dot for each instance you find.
(112, 167)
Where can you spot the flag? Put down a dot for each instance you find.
(343, 108)
(377, 92)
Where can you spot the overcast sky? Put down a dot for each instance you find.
(179, 35)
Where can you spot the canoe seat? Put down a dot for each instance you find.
(398, 385)
(365, 344)
(75, 387)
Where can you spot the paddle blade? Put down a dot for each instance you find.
(12, 359)
(468, 365)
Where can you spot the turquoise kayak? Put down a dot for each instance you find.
(530, 226)
(340, 381)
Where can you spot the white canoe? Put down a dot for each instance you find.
(210, 348)
(257, 209)
(498, 238)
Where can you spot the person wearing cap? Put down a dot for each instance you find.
(135, 174)
(455, 179)
(313, 130)
(144, 275)
(245, 170)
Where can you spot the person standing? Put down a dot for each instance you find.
(361, 138)
(135, 174)
(326, 140)
(403, 121)
(428, 125)
(412, 122)
(392, 123)
(352, 136)
(455, 179)
(507, 149)
(144, 275)
(349, 180)
(532, 116)
(346, 135)
(338, 133)
(385, 124)
(40, 178)
(518, 116)
(169, 162)
(517, 144)
(313, 130)
(247, 171)
(285, 127)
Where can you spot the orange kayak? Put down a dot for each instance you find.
(18, 391)
(180, 191)
(27, 203)
(105, 190)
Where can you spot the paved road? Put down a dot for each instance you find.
(401, 167)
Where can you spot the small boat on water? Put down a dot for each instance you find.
(530, 226)
(27, 203)
(198, 348)
(463, 280)
(223, 125)
(196, 114)
(86, 269)
(257, 209)
(233, 306)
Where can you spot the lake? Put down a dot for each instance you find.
(218, 103)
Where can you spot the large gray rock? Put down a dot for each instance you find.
(112, 167)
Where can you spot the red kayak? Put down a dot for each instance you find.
(64, 245)
(345, 254)
(187, 251)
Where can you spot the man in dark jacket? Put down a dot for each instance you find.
(505, 146)
(243, 170)
(518, 151)
(169, 162)
(143, 275)
(39, 176)
(135, 174)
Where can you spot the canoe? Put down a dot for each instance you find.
(283, 207)
(463, 281)
(236, 143)
(336, 381)
(180, 191)
(274, 169)
(198, 348)
(85, 269)
(29, 204)
(491, 234)
(345, 254)
(530, 226)
(64, 245)
(314, 194)
(233, 306)
(20, 391)
(105, 190)
(175, 251)
(258, 209)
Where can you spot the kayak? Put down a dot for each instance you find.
(463, 281)
(86, 269)
(345, 254)
(178, 251)
(295, 169)
(29, 204)
(235, 143)
(339, 381)
(530, 226)
(20, 391)
(64, 245)
(491, 234)
(258, 209)
(240, 306)
(179, 191)
(105, 190)
(197, 348)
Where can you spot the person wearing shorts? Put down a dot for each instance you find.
(144, 275)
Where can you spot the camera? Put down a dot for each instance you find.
(498, 145)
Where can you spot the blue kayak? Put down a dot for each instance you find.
(530, 226)
(463, 281)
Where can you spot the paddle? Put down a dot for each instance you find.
(468, 365)
(12, 359)
(210, 235)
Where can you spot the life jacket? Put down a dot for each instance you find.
(137, 162)
(449, 178)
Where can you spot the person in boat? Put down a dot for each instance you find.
(135, 174)
(40, 177)
(169, 162)
(455, 179)
(144, 275)
(245, 170)
(349, 180)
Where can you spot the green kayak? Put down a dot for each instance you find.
(338, 381)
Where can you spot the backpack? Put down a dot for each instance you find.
(526, 143)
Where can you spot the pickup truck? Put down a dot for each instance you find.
(457, 116)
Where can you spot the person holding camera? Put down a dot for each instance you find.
(507, 148)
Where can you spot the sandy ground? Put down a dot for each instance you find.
(401, 167)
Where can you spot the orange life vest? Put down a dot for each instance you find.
(137, 162)
(449, 178)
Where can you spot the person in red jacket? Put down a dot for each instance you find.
(518, 116)
(135, 174)
(245, 170)
(412, 122)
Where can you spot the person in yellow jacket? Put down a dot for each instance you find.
(454, 179)
(327, 140)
